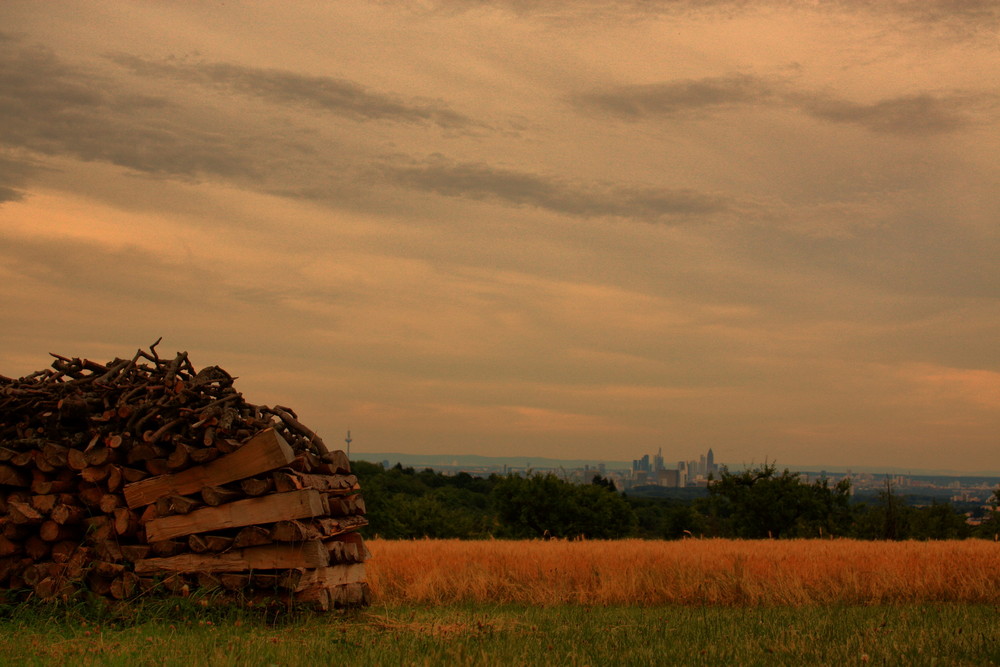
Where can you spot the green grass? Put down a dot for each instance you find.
(186, 634)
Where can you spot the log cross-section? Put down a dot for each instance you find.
(264, 452)
(266, 509)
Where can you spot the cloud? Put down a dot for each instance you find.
(481, 181)
(333, 95)
(965, 16)
(14, 174)
(83, 266)
(54, 108)
(921, 114)
(918, 114)
(676, 98)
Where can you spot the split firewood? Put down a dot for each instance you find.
(109, 550)
(167, 548)
(99, 456)
(67, 514)
(90, 495)
(182, 504)
(135, 552)
(266, 451)
(23, 513)
(117, 477)
(76, 459)
(180, 458)
(63, 551)
(252, 536)
(256, 486)
(108, 502)
(36, 548)
(293, 531)
(50, 531)
(98, 528)
(156, 466)
(232, 581)
(9, 547)
(347, 505)
(219, 495)
(94, 474)
(290, 481)
(126, 521)
(200, 544)
(124, 586)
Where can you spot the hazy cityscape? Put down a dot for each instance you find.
(656, 474)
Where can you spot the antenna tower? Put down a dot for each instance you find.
(348, 441)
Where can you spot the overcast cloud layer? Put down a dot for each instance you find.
(584, 230)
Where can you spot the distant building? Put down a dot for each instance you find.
(693, 472)
(641, 465)
(669, 478)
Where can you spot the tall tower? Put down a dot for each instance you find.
(348, 441)
(710, 461)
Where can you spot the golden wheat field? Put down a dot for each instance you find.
(688, 572)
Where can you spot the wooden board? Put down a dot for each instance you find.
(266, 509)
(334, 575)
(270, 557)
(262, 453)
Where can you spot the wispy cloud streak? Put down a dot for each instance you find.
(521, 188)
(334, 95)
(920, 114)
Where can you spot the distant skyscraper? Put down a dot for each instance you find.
(641, 465)
(658, 460)
(710, 462)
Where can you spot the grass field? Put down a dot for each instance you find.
(689, 572)
(545, 603)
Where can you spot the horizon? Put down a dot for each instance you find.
(547, 228)
(432, 460)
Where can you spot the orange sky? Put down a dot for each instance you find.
(572, 230)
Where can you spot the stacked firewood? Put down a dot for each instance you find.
(145, 474)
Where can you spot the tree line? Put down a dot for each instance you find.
(761, 502)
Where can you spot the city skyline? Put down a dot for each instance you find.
(538, 229)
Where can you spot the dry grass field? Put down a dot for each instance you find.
(696, 602)
(689, 572)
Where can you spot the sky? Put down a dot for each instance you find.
(571, 230)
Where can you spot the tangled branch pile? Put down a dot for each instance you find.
(145, 474)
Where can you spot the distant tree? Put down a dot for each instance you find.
(543, 504)
(760, 502)
(888, 518)
(937, 521)
(404, 503)
(666, 518)
(990, 527)
(604, 482)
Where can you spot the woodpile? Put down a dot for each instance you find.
(145, 475)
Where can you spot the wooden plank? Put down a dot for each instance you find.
(262, 453)
(270, 557)
(334, 575)
(266, 509)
